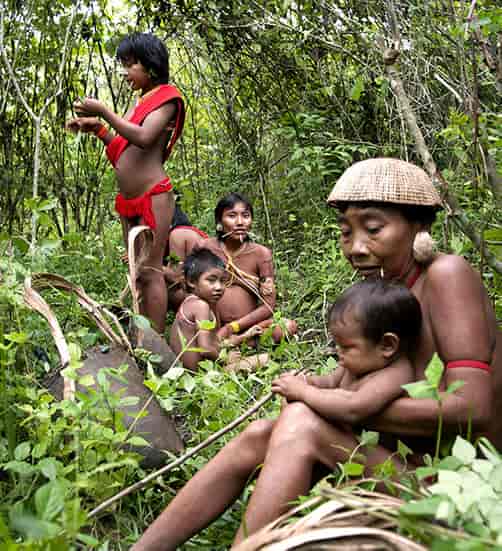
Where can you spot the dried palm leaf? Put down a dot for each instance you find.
(349, 520)
(35, 301)
(139, 244)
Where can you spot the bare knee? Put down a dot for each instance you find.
(298, 426)
(250, 447)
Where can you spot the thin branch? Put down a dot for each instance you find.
(449, 200)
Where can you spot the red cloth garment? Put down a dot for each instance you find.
(193, 228)
(163, 94)
(142, 206)
(469, 363)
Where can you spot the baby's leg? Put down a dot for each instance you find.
(151, 280)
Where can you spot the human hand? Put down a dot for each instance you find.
(84, 124)
(88, 106)
(225, 332)
(291, 387)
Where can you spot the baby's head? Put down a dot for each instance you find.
(205, 275)
(373, 322)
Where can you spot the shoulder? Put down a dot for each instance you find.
(261, 252)
(197, 307)
(448, 265)
(450, 273)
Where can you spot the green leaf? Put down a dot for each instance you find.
(138, 441)
(20, 467)
(463, 450)
(87, 380)
(22, 451)
(403, 450)
(357, 89)
(420, 389)
(32, 527)
(424, 507)
(454, 386)
(369, 438)
(188, 382)
(496, 478)
(173, 373)
(352, 469)
(434, 371)
(425, 472)
(49, 467)
(128, 401)
(49, 500)
(18, 338)
(141, 322)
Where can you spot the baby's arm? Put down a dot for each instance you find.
(327, 381)
(351, 406)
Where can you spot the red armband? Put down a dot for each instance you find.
(102, 132)
(469, 363)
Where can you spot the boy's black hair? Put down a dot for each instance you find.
(149, 51)
(179, 218)
(381, 307)
(228, 202)
(200, 261)
(422, 214)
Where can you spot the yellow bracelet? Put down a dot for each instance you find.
(235, 326)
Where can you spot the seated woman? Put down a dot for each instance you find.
(183, 237)
(250, 294)
(386, 207)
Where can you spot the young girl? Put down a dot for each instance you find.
(250, 296)
(205, 278)
(375, 325)
(137, 146)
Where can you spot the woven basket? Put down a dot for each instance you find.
(385, 180)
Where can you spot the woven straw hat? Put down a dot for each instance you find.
(385, 180)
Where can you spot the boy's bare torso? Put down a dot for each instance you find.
(139, 169)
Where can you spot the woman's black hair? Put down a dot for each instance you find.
(228, 202)
(381, 307)
(422, 214)
(179, 218)
(198, 262)
(149, 51)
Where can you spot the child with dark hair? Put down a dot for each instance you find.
(137, 146)
(376, 325)
(250, 297)
(205, 282)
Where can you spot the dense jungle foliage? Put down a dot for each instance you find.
(281, 97)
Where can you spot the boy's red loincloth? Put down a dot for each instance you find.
(163, 94)
(142, 206)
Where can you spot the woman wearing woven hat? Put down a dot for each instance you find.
(386, 207)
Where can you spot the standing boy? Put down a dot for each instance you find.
(137, 147)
